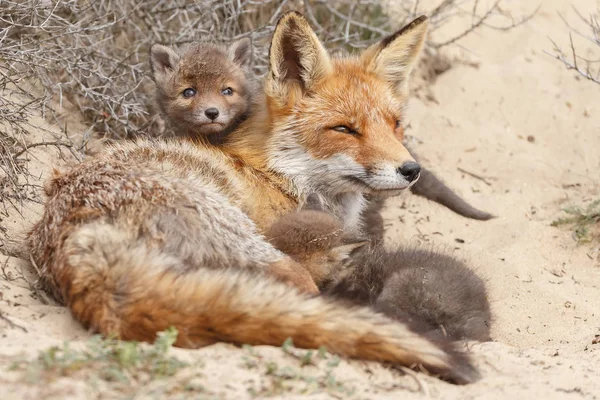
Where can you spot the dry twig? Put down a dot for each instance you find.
(587, 67)
(89, 59)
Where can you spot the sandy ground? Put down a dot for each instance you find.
(544, 286)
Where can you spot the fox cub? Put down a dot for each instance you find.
(204, 90)
(152, 234)
(435, 292)
(314, 239)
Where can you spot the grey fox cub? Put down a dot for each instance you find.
(434, 292)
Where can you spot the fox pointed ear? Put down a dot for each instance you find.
(394, 57)
(342, 253)
(240, 52)
(163, 61)
(297, 58)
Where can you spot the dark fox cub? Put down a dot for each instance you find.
(205, 89)
(434, 292)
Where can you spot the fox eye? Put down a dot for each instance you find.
(344, 129)
(227, 91)
(189, 92)
(398, 123)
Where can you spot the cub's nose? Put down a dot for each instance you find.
(410, 170)
(212, 113)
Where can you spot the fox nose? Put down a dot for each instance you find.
(410, 170)
(212, 113)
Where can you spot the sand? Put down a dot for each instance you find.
(518, 120)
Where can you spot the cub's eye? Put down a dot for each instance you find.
(227, 91)
(398, 123)
(189, 92)
(344, 129)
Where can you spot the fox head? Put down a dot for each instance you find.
(337, 122)
(205, 89)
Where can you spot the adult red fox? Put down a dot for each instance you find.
(149, 235)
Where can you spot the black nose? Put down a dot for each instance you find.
(410, 170)
(212, 113)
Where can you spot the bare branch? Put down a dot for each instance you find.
(89, 58)
(591, 68)
(478, 22)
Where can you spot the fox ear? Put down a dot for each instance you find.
(314, 202)
(240, 52)
(297, 58)
(163, 61)
(394, 57)
(342, 253)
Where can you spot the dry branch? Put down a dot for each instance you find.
(88, 58)
(587, 28)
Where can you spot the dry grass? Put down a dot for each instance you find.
(89, 59)
(584, 221)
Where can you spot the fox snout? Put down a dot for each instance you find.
(410, 171)
(391, 177)
(207, 113)
(206, 118)
(212, 113)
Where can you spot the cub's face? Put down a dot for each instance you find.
(209, 92)
(206, 89)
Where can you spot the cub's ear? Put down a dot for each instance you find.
(163, 62)
(342, 253)
(394, 57)
(240, 52)
(297, 59)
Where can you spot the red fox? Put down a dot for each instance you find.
(435, 291)
(206, 90)
(153, 234)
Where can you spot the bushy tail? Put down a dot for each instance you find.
(127, 289)
(430, 187)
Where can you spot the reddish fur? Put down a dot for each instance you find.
(355, 89)
(309, 237)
